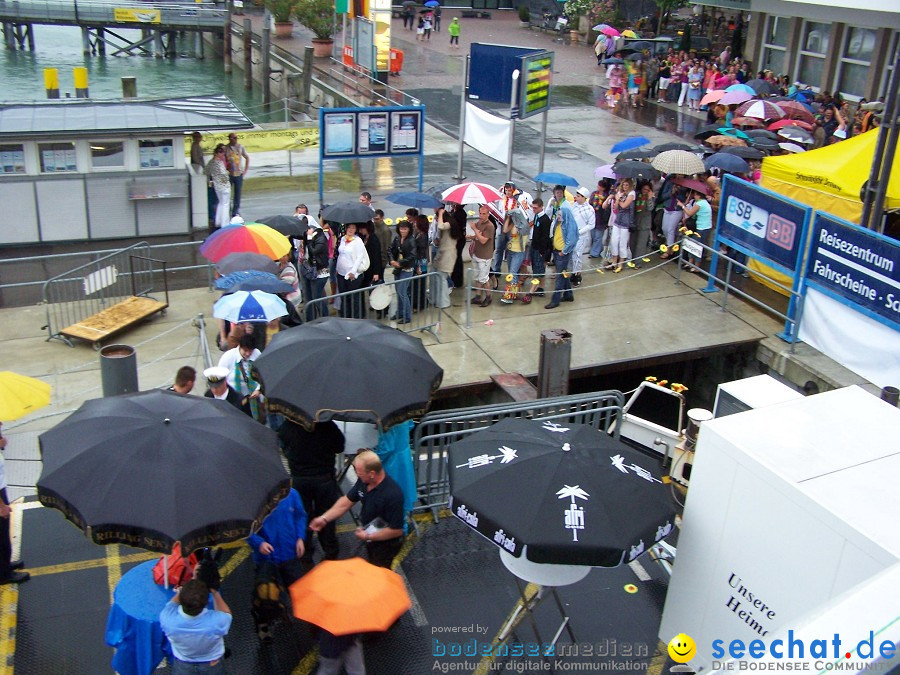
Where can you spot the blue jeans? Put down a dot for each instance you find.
(313, 289)
(514, 260)
(499, 251)
(237, 182)
(185, 668)
(563, 290)
(597, 236)
(404, 303)
(538, 266)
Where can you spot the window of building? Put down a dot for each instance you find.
(107, 154)
(813, 47)
(56, 157)
(856, 57)
(156, 154)
(12, 158)
(775, 44)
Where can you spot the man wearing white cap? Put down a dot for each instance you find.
(585, 218)
(217, 379)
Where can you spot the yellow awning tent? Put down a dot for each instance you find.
(828, 179)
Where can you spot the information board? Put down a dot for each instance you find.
(856, 265)
(371, 132)
(364, 44)
(491, 68)
(534, 92)
(761, 222)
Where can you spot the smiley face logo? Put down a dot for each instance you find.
(682, 648)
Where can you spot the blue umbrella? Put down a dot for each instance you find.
(432, 3)
(419, 200)
(556, 178)
(613, 60)
(741, 87)
(249, 306)
(726, 162)
(252, 280)
(629, 144)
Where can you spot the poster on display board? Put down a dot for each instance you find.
(762, 223)
(858, 267)
(337, 130)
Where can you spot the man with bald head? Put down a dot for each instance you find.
(382, 509)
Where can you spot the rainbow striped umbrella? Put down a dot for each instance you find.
(247, 238)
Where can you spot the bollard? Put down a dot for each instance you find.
(118, 370)
(80, 76)
(51, 82)
(556, 358)
(129, 87)
(891, 395)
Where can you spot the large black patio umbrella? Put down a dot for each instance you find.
(571, 494)
(347, 369)
(156, 467)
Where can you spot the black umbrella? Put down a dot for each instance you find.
(240, 262)
(706, 131)
(762, 88)
(761, 133)
(635, 170)
(289, 226)
(764, 144)
(635, 56)
(743, 152)
(726, 162)
(640, 44)
(571, 494)
(636, 153)
(664, 147)
(348, 212)
(612, 60)
(156, 467)
(347, 369)
(796, 134)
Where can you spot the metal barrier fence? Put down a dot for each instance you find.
(437, 430)
(356, 304)
(23, 278)
(725, 283)
(366, 88)
(90, 288)
(184, 16)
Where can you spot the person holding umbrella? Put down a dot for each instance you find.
(382, 500)
(697, 207)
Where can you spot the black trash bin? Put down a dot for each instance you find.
(118, 370)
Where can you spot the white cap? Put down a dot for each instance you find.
(215, 374)
(583, 191)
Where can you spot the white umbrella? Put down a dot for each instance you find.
(244, 306)
(678, 161)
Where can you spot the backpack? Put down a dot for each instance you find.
(174, 564)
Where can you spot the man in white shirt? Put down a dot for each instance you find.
(238, 362)
(585, 218)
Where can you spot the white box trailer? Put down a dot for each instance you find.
(790, 505)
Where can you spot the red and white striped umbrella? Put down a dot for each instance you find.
(471, 193)
(761, 110)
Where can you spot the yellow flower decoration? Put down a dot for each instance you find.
(689, 232)
(682, 229)
(650, 378)
(430, 218)
(600, 270)
(696, 234)
(630, 264)
(677, 387)
(675, 247)
(509, 277)
(535, 282)
(388, 221)
(663, 248)
(472, 213)
(566, 275)
(663, 383)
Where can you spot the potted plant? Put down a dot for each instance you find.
(281, 13)
(318, 16)
(524, 16)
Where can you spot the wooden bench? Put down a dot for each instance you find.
(118, 317)
(475, 14)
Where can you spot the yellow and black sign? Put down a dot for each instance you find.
(534, 95)
(264, 140)
(136, 15)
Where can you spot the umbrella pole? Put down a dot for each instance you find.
(166, 571)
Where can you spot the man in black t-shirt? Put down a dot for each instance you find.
(382, 499)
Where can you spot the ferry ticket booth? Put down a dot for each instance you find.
(85, 169)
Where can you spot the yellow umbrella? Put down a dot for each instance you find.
(21, 395)
(629, 33)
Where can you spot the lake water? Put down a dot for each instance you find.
(22, 72)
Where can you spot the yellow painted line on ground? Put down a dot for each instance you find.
(659, 659)
(9, 600)
(113, 568)
(232, 564)
(485, 665)
(89, 564)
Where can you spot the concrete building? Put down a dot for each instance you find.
(832, 45)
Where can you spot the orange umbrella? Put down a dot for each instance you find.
(350, 596)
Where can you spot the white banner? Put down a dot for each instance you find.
(487, 133)
(865, 346)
